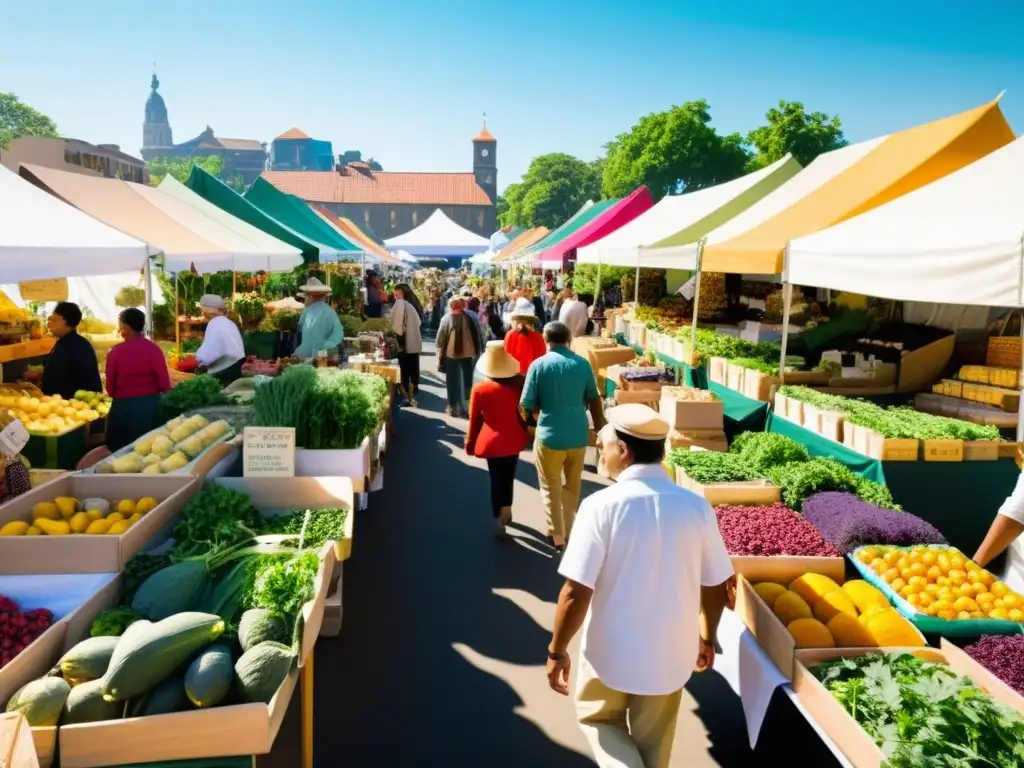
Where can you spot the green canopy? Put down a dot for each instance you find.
(580, 219)
(215, 191)
(296, 214)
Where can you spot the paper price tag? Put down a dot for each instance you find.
(268, 452)
(13, 438)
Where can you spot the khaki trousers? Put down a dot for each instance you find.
(560, 500)
(625, 730)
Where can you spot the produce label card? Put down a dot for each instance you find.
(55, 289)
(269, 452)
(13, 438)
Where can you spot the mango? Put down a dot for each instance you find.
(813, 586)
(864, 595)
(94, 514)
(68, 506)
(98, 527)
(46, 510)
(119, 527)
(850, 633)
(769, 591)
(33, 531)
(126, 507)
(789, 607)
(53, 527)
(833, 603)
(811, 633)
(114, 517)
(79, 522)
(891, 630)
(15, 528)
(145, 504)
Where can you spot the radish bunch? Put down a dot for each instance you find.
(19, 628)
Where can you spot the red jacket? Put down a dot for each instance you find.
(525, 347)
(495, 427)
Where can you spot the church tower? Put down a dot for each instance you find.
(156, 130)
(485, 162)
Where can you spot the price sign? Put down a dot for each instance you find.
(13, 438)
(55, 289)
(269, 452)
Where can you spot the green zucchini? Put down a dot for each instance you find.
(208, 679)
(169, 696)
(175, 589)
(86, 704)
(144, 659)
(260, 671)
(40, 701)
(89, 659)
(259, 625)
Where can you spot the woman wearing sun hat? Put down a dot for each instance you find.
(524, 342)
(319, 324)
(496, 431)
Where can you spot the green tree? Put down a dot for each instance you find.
(552, 190)
(501, 207)
(181, 167)
(671, 152)
(791, 129)
(19, 119)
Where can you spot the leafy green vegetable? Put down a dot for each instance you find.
(923, 714)
(763, 450)
(323, 525)
(801, 479)
(214, 519)
(281, 583)
(713, 467)
(197, 392)
(113, 622)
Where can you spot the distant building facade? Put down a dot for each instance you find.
(74, 155)
(293, 150)
(242, 157)
(389, 203)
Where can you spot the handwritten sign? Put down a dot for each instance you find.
(13, 438)
(269, 452)
(55, 289)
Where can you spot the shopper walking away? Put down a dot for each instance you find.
(459, 344)
(645, 578)
(523, 341)
(406, 319)
(561, 386)
(573, 313)
(497, 431)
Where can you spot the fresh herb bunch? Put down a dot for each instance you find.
(138, 569)
(214, 519)
(197, 392)
(764, 450)
(801, 479)
(923, 714)
(324, 525)
(713, 467)
(113, 622)
(281, 583)
(279, 402)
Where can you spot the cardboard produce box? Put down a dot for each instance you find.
(984, 679)
(943, 450)
(684, 414)
(718, 370)
(751, 492)
(705, 439)
(649, 397)
(16, 747)
(355, 463)
(604, 357)
(83, 553)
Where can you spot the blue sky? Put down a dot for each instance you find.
(407, 82)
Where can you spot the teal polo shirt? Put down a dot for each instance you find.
(560, 385)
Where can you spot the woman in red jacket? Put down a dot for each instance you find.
(524, 342)
(496, 430)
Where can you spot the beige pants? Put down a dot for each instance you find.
(625, 730)
(560, 500)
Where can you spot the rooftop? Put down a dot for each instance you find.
(292, 133)
(484, 135)
(363, 186)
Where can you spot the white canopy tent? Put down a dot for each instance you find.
(96, 293)
(439, 236)
(42, 237)
(958, 240)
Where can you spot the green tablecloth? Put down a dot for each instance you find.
(741, 413)
(959, 498)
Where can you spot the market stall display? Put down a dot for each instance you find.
(197, 392)
(51, 415)
(770, 531)
(848, 523)
(169, 449)
(67, 516)
(1003, 656)
(19, 628)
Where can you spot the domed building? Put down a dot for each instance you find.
(242, 157)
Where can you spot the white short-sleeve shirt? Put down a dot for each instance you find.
(222, 345)
(1013, 507)
(645, 546)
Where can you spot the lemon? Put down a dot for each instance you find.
(114, 517)
(145, 505)
(126, 507)
(94, 514)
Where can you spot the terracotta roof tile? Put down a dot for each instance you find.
(484, 135)
(292, 133)
(240, 144)
(367, 187)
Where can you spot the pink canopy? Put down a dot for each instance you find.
(618, 215)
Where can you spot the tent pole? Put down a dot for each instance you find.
(636, 285)
(147, 276)
(787, 303)
(696, 302)
(177, 328)
(1020, 375)
(597, 285)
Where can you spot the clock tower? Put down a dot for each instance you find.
(485, 162)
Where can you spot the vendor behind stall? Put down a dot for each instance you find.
(222, 352)
(72, 364)
(319, 324)
(136, 377)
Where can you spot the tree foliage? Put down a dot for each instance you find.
(18, 119)
(552, 190)
(672, 152)
(791, 129)
(180, 168)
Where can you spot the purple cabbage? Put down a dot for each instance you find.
(1003, 656)
(847, 523)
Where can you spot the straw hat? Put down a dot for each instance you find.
(496, 363)
(314, 286)
(523, 310)
(638, 421)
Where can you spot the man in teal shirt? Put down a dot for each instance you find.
(561, 386)
(319, 324)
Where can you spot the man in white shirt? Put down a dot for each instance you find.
(222, 352)
(645, 573)
(573, 313)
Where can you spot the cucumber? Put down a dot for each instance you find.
(89, 659)
(261, 670)
(171, 590)
(209, 677)
(259, 625)
(147, 657)
(169, 696)
(85, 704)
(40, 701)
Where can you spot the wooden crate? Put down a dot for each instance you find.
(1003, 352)
(943, 450)
(750, 493)
(981, 450)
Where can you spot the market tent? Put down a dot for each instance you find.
(613, 217)
(521, 242)
(115, 203)
(357, 236)
(215, 191)
(42, 237)
(647, 240)
(274, 255)
(882, 170)
(959, 240)
(407, 257)
(439, 236)
(587, 213)
(295, 214)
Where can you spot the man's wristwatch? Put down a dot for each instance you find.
(557, 656)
